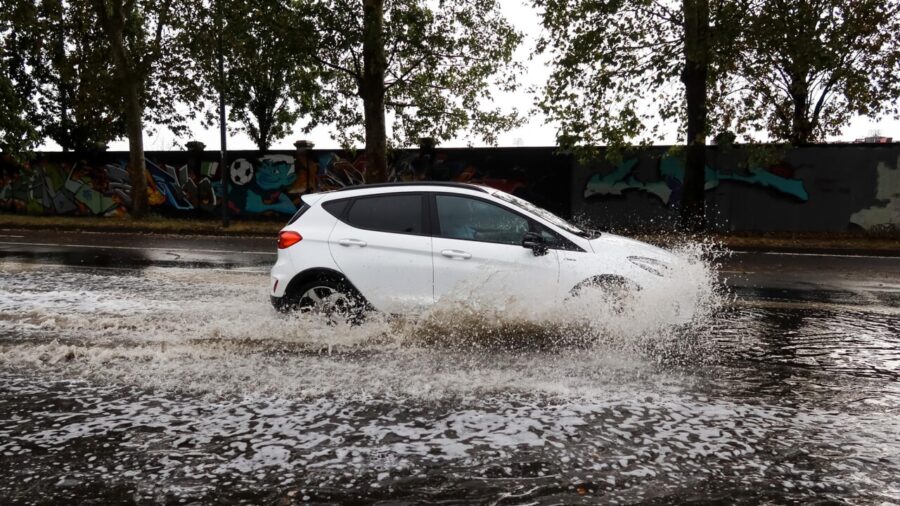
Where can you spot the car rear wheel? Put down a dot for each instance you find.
(333, 299)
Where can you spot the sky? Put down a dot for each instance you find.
(535, 132)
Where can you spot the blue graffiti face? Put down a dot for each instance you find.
(274, 175)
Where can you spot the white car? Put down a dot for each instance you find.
(400, 247)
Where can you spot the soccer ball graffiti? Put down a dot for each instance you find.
(241, 172)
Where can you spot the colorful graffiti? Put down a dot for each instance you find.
(888, 195)
(839, 187)
(668, 187)
(264, 185)
(828, 187)
(82, 188)
(63, 189)
(267, 185)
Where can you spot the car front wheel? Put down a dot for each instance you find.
(617, 291)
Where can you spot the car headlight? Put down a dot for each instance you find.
(652, 265)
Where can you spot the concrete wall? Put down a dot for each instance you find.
(261, 186)
(817, 188)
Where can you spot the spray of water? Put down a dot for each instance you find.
(600, 318)
(215, 332)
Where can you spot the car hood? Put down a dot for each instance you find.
(629, 247)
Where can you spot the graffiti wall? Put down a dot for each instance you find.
(260, 186)
(817, 188)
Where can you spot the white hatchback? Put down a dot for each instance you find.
(400, 247)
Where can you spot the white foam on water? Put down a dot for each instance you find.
(215, 332)
(591, 390)
(643, 440)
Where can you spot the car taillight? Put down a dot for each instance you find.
(288, 239)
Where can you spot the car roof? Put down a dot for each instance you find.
(375, 186)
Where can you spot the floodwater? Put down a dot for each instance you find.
(179, 385)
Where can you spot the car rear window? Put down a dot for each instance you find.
(399, 213)
(336, 207)
(299, 213)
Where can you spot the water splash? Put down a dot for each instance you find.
(214, 332)
(599, 319)
(196, 390)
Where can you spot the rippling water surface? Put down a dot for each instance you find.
(177, 385)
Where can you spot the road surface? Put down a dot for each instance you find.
(151, 369)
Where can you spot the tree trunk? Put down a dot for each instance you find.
(801, 130)
(372, 90)
(696, 50)
(262, 109)
(114, 23)
(264, 123)
(136, 164)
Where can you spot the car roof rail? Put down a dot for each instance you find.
(466, 186)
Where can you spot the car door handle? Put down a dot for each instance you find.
(455, 253)
(352, 242)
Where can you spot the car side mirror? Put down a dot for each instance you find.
(534, 242)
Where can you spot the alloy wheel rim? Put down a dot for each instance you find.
(324, 300)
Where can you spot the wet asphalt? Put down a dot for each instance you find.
(151, 369)
(759, 270)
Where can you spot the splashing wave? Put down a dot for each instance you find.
(214, 332)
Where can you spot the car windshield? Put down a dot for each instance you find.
(545, 214)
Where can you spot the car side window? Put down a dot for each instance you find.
(397, 213)
(549, 238)
(554, 240)
(477, 220)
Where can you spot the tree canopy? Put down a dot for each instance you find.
(149, 43)
(20, 119)
(623, 72)
(617, 67)
(271, 76)
(389, 72)
(79, 105)
(434, 66)
(806, 67)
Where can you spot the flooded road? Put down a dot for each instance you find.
(170, 383)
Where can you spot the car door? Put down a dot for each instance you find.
(478, 253)
(381, 243)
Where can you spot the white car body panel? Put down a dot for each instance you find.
(492, 271)
(397, 272)
(392, 271)
(310, 253)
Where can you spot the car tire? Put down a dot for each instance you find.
(330, 297)
(618, 290)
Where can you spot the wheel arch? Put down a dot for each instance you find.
(307, 275)
(615, 280)
(285, 302)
